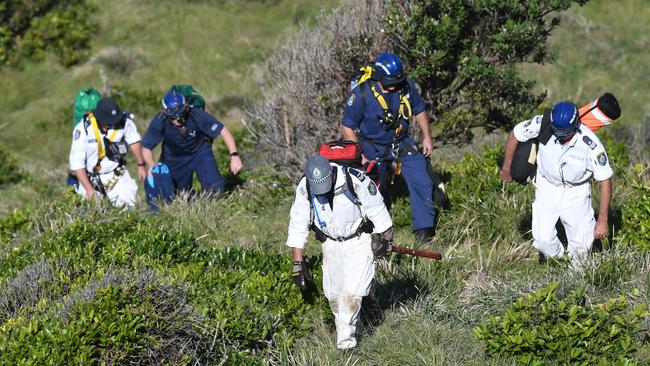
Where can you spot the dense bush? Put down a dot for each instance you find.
(29, 29)
(539, 329)
(462, 54)
(9, 171)
(124, 290)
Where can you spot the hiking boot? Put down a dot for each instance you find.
(424, 235)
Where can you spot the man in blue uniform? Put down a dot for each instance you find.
(187, 134)
(381, 108)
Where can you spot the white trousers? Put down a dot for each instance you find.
(124, 192)
(572, 205)
(348, 271)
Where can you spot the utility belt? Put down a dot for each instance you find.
(109, 184)
(366, 226)
(391, 151)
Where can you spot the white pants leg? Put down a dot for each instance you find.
(545, 215)
(124, 192)
(348, 271)
(572, 205)
(577, 216)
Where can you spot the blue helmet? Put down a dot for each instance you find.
(389, 69)
(173, 104)
(564, 120)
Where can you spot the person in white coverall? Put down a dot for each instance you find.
(343, 219)
(565, 166)
(98, 152)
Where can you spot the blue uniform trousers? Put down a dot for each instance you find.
(417, 178)
(203, 163)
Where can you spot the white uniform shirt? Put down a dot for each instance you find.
(345, 218)
(84, 150)
(572, 163)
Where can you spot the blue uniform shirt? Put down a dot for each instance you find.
(198, 125)
(366, 117)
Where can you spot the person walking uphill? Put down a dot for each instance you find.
(98, 154)
(569, 156)
(381, 109)
(349, 217)
(187, 134)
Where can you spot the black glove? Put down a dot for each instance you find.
(301, 275)
(380, 245)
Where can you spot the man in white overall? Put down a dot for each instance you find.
(98, 152)
(565, 166)
(344, 208)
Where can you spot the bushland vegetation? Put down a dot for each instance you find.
(207, 281)
(462, 54)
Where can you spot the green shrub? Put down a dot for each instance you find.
(124, 290)
(29, 29)
(9, 171)
(634, 230)
(539, 329)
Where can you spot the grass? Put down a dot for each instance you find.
(601, 46)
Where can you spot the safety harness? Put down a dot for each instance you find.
(107, 147)
(390, 121)
(347, 189)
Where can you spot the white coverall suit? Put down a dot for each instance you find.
(120, 190)
(348, 266)
(563, 188)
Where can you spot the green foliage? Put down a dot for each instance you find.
(635, 216)
(122, 289)
(463, 53)
(539, 328)
(29, 29)
(9, 171)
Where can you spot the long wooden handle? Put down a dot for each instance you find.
(418, 253)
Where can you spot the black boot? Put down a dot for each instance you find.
(424, 235)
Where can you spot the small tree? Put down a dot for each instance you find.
(463, 55)
(30, 28)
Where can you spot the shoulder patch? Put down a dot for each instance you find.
(77, 133)
(214, 127)
(592, 145)
(351, 99)
(372, 188)
(601, 158)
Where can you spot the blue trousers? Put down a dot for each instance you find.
(203, 163)
(415, 174)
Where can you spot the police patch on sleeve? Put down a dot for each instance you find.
(601, 158)
(592, 145)
(528, 122)
(351, 99)
(372, 188)
(77, 133)
(214, 127)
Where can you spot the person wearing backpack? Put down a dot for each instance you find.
(380, 108)
(100, 143)
(570, 155)
(346, 212)
(187, 134)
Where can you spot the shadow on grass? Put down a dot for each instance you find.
(386, 296)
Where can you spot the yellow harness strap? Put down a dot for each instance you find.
(404, 104)
(101, 153)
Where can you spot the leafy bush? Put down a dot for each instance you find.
(463, 55)
(9, 171)
(29, 29)
(540, 328)
(124, 290)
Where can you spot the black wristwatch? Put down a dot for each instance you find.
(142, 164)
(234, 153)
